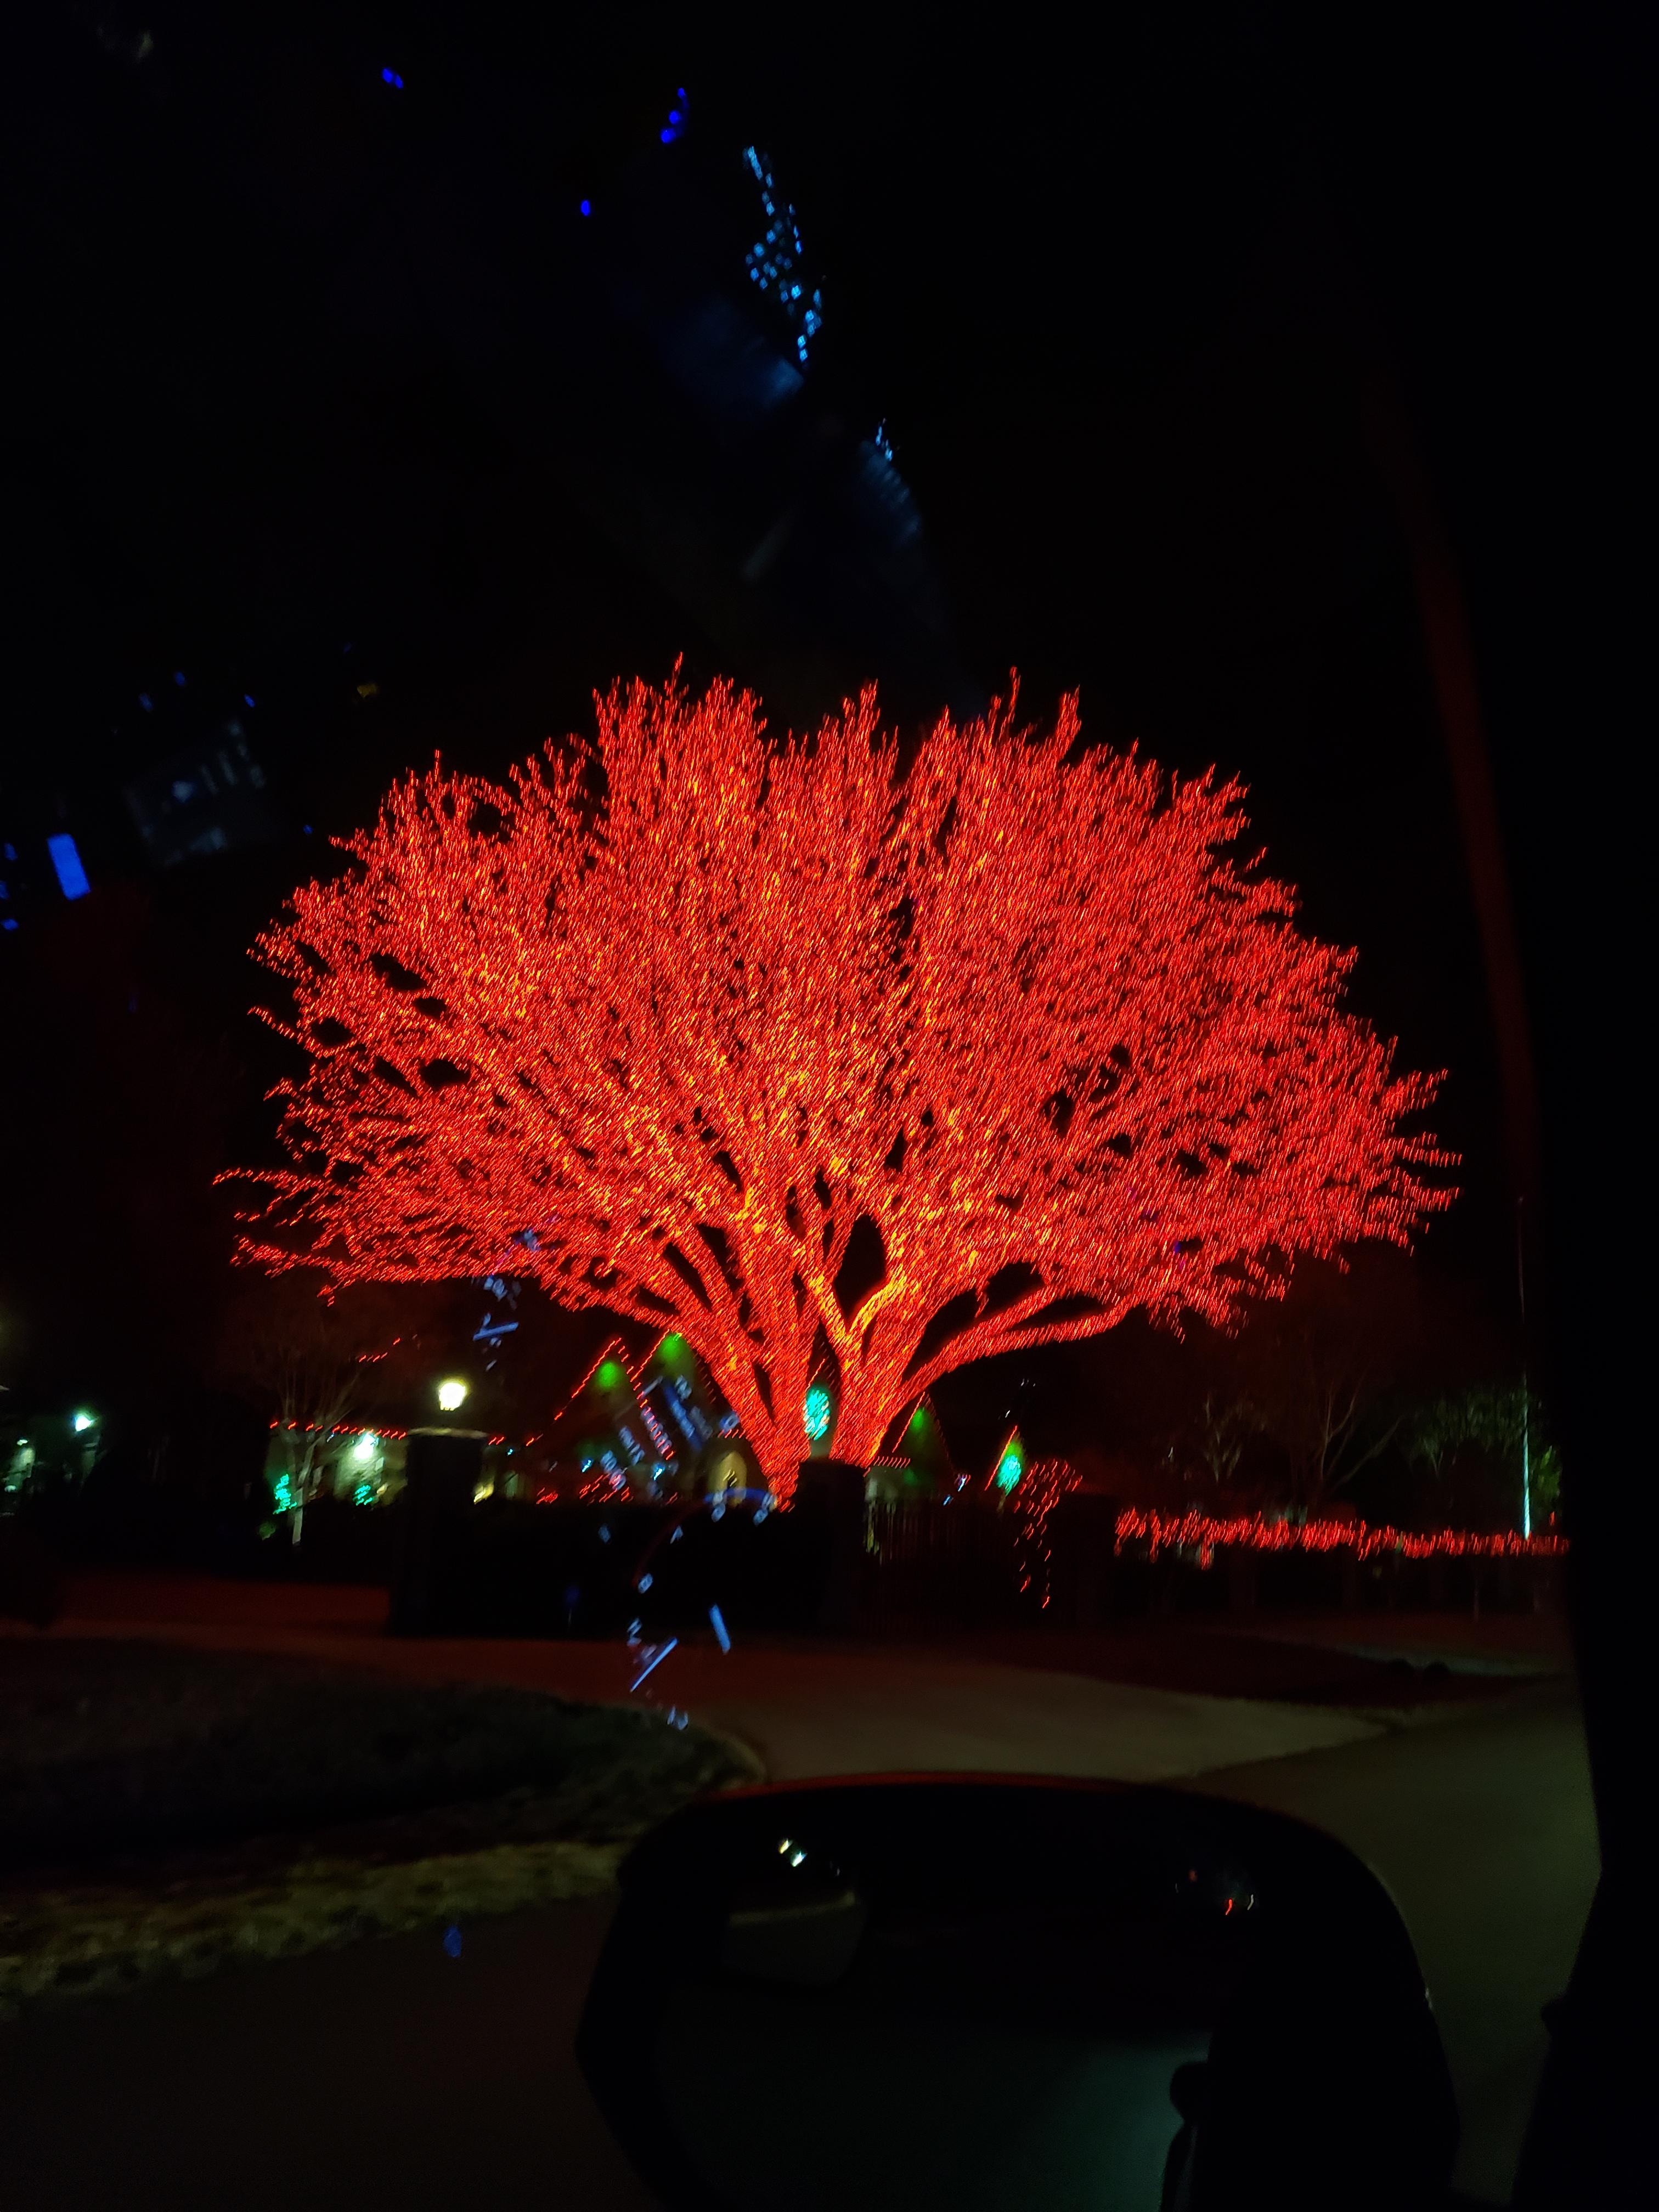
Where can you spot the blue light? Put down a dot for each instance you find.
(10, 922)
(721, 1630)
(179, 678)
(452, 1942)
(391, 77)
(247, 698)
(775, 259)
(70, 874)
(674, 115)
(145, 702)
(655, 1662)
(587, 206)
(667, 137)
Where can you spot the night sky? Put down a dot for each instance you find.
(292, 418)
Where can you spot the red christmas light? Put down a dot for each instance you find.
(663, 1020)
(1202, 1532)
(1033, 1499)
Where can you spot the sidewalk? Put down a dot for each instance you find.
(1146, 1700)
(806, 1707)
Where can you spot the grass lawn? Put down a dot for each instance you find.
(164, 1810)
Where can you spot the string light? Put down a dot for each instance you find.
(774, 261)
(1038, 1488)
(666, 1018)
(1202, 1533)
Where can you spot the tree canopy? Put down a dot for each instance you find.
(852, 1061)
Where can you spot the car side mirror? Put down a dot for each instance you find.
(970, 1993)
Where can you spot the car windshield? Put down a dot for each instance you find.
(775, 885)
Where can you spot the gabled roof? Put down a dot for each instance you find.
(896, 1438)
(586, 1411)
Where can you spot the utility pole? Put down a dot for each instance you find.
(1526, 1395)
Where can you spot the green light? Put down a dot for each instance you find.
(1008, 1470)
(610, 1374)
(919, 1419)
(816, 1413)
(282, 1494)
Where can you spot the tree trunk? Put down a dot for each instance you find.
(830, 1495)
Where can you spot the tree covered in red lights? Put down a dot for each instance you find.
(847, 1058)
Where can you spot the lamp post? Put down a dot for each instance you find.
(1526, 1390)
(83, 1426)
(441, 1468)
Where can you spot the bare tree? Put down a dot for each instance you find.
(313, 1363)
(1222, 1424)
(1327, 1369)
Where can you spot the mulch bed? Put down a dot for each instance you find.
(164, 1810)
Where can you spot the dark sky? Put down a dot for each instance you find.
(1120, 303)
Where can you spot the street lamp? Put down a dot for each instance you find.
(452, 1394)
(366, 1445)
(83, 1422)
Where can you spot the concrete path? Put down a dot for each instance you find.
(823, 1710)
